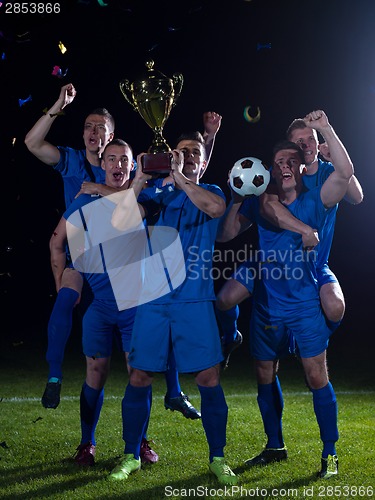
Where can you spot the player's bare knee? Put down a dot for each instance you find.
(316, 376)
(266, 371)
(223, 301)
(209, 377)
(140, 378)
(335, 310)
(333, 302)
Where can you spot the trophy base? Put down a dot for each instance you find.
(157, 163)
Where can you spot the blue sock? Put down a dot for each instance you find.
(214, 412)
(171, 377)
(271, 404)
(144, 437)
(227, 321)
(135, 416)
(325, 407)
(91, 403)
(59, 328)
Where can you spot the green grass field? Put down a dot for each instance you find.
(37, 445)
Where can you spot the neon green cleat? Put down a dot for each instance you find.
(127, 465)
(330, 467)
(222, 471)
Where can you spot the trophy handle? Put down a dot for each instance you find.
(178, 81)
(126, 92)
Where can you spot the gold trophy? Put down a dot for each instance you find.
(153, 97)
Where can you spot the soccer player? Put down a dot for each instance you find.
(286, 303)
(192, 209)
(82, 173)
(102, 318)
(240, 287)
(79, 169)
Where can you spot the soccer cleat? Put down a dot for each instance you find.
(267, 456)
(223, 472)
(51, 395)
(147, 455)
(127, 465)
(85, 455)
(229, 348)
(182, 404)
(330, 467)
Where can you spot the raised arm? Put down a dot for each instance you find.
(211, 122)
(335, 187)
(35, 138)
(208, 202)
(354, 193)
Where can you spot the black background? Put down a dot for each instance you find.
(288, 57)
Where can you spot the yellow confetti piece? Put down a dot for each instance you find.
(13, 141)
(62, 48)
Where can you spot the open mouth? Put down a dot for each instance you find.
(118, 176)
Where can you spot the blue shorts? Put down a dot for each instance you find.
(190, 329)
(246, 274)
(100, 322)
(325, 275)
(271, 334)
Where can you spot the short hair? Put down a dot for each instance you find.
(284, 144)
(193, 136)
(104, 112)
(298, 123)
(117, 142)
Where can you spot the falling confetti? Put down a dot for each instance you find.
(153, 47)
(21, 102)
(57, 71)
(261, 46)
(62, 48)
(102, 4)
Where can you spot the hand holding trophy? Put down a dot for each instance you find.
(153, 97)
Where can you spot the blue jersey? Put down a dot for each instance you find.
(325, 169)
(197, 232)
(104, 252)
(74, 168)
(251, 205)
(288, 276)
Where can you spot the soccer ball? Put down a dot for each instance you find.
(249, 176)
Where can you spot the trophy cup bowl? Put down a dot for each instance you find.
(153, 97)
